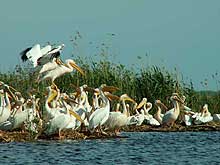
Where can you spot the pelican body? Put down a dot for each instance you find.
(171, 116)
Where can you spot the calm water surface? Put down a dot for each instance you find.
(137, 148)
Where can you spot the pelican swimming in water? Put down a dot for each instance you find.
(171, 116)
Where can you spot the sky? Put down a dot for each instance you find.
(174, 34)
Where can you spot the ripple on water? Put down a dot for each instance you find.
(138, 148)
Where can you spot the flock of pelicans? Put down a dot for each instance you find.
(62, 111)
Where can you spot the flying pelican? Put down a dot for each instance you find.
(39, 56)
(171, 116)
(59, 71)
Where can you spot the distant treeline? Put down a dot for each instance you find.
(150, 82)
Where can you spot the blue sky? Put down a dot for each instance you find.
(174, 33)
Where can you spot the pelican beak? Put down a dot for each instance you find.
(110, 89)
(111, 96)
(141, 104)
(180, 100)
(76, 116)
(11, 94)
(130, 99)
(71, 100)
(13, 88)
(89, 89)
(59, 62)
(52, 96)
(164, 106)
(77, 68)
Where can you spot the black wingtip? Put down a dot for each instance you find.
(55, 55)
(23, 54)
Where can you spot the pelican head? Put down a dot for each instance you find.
(149, 105)
(75, 66)
(176, 98)
(143, 102)
(1, 83)
(205, 106)
(125, 97)
(111, 96)
(158, 102)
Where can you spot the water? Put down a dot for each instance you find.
(137, 148)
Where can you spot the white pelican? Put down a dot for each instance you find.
(101, 114)
(83, 107)
(203, 117)
(40, 56)
(148, 117)
(21, 116)
(5, 106)
(171, 116)
(118, 119)
(158, 115)
(60, 117)
(59, 71)
(132, 119)
(140, 117)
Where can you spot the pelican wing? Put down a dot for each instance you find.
(31, 54)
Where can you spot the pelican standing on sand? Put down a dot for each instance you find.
(203, 117)
(101, 114)
(59, 118)
(158, 115)
(171, 116)
(118, 119)
(145, 112)
(5, 104)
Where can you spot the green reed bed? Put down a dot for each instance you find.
(151, 82)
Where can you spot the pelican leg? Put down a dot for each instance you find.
(102, 132)
(117, 131)
(60, 136)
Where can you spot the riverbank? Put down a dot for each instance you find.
(20, 136)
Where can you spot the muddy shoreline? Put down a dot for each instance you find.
(20, 136)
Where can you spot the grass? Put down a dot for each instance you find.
(151, 82)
